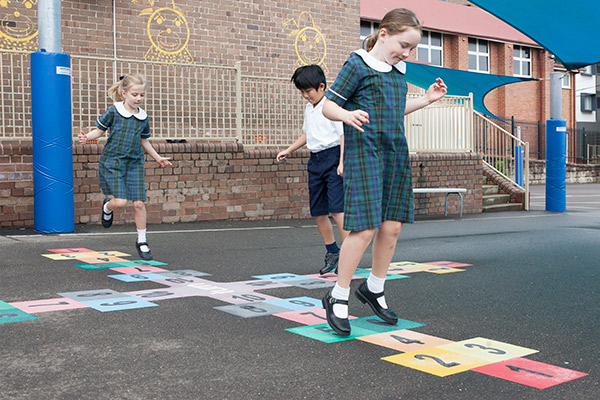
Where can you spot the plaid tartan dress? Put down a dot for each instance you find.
(121, 167)
(377, 176)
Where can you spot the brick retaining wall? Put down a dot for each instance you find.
(217, 182)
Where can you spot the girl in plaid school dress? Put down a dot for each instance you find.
(121, 167)
(369, 96)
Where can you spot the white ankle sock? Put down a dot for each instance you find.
(106, 211)
(338, 292)
(375, 285)
(142, 238)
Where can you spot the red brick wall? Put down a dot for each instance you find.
(218, 182)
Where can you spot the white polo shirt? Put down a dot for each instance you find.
(321, 133)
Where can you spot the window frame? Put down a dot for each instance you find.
(429, 47)
(522, 60)
(478, 54)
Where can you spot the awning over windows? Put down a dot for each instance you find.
(569, 30)
(460, 83)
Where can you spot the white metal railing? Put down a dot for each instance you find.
(444, 126)
(189, 101)
(498, 148)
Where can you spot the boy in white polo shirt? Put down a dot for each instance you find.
(324, 138)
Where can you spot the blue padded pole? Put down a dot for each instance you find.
(52, 142)
(556, 165)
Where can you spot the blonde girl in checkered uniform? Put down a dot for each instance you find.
(121, 166)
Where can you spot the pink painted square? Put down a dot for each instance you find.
(531, 373)
(73, 250)
(314, 316)
(138, 270)
(47, 305)
(450, 264)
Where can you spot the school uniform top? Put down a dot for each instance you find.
(321, 133)
(121, 166)
(377, 176)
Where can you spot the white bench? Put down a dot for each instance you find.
(448, 191)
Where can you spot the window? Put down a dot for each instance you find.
(588, 101)
(429, 50)
(521, 61)
(366, 28)
(566, 81)
(479, 55)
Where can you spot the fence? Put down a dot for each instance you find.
(499, 148)
(216, 103)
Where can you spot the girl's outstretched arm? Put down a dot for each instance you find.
(353, 118)
(163, 161)
(435, 92)
(92, 135)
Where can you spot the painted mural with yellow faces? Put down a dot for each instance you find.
(18, 25)
(168, 31)
(309, 42)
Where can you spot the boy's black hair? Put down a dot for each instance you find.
(309, 77)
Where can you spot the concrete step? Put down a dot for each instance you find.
(489, 189)
(503, 207)
(491, 199)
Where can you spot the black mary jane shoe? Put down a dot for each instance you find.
(340, 325)
(106, 222)
(145, 255)
(364, 295)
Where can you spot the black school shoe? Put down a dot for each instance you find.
(145, 255)
(107, 222)
(331, 263)
(340, 325)
(366, 296)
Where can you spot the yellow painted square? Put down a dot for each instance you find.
(109, 254)
(436, 361)
(442, 270)
(102, 259)
(408, 266)
(488, 349)
(404, 340)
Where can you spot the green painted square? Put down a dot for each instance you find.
(364, 273)
(376, 325)
(99, 265)
(324, 333)
(4, 306)
(8, 316)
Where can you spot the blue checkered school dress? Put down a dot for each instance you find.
(121, 167)
(377, 176)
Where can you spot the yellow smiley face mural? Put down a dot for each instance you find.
(18, 27)
(169, 34)
(309, 42)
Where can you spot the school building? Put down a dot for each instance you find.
(221, 104)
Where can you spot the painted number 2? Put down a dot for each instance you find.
(437, 360)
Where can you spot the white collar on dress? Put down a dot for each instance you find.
(379, 65)
(141, 114)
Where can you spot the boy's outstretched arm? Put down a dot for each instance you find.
(282, 155)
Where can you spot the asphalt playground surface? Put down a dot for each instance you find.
(532, 293)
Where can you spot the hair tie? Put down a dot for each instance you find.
(122, 77)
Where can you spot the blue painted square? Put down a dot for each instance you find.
(143, 276)
(281, 277)
(364, 273)
(297, 303)
(120, 303)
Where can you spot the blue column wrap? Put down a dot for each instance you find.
(556, 165)
(52, 142)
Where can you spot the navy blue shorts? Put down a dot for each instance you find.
(325, 186)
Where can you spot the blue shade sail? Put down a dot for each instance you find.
(569, 30)
(460, 83)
